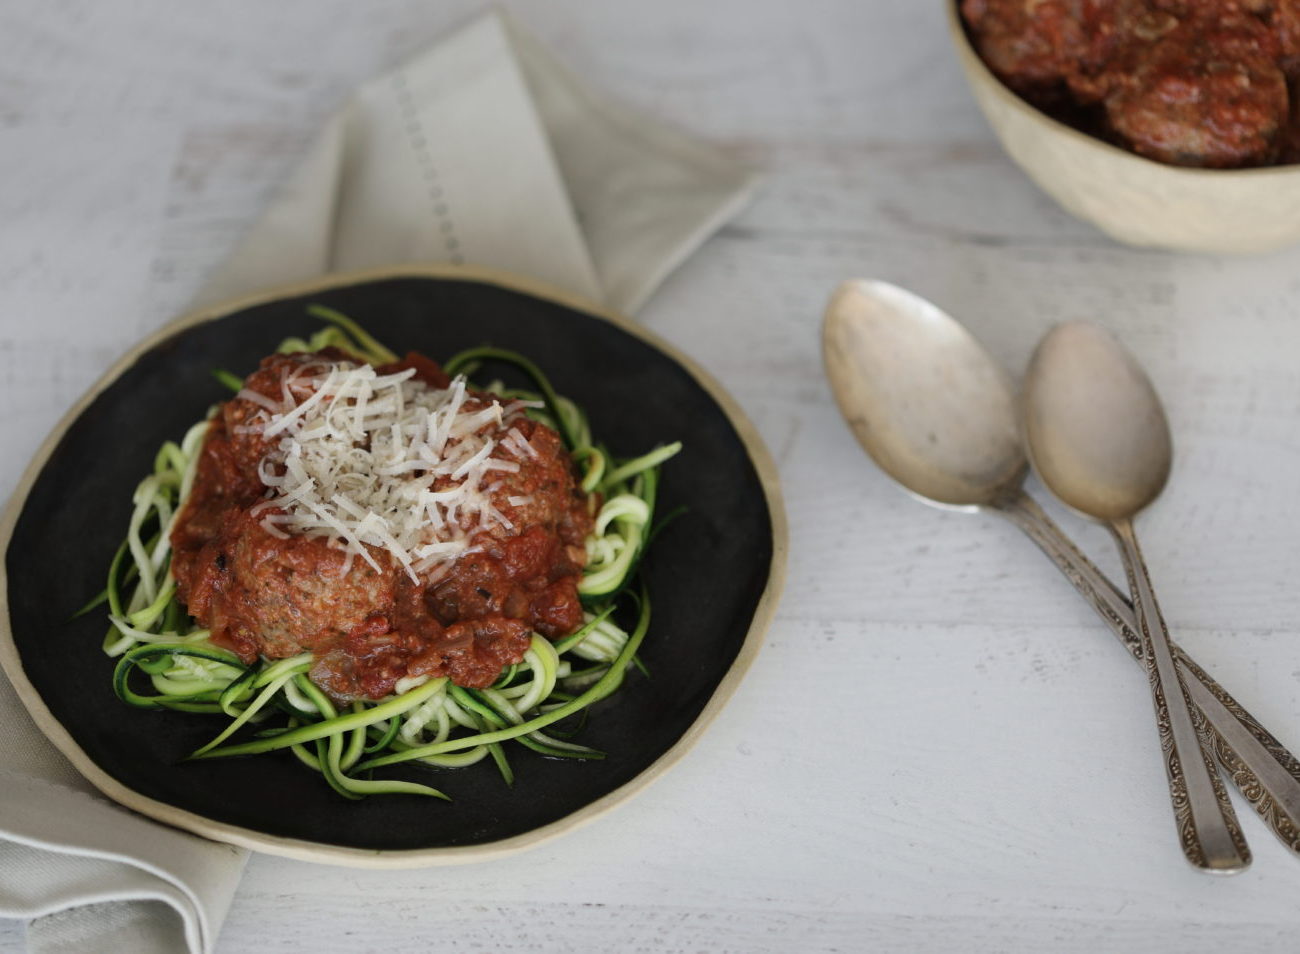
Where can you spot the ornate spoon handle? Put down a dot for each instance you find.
(1207, 825)
(1266, 774)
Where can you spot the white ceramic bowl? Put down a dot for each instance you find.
(1132, 199)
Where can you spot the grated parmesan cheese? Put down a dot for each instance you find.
(384, 461)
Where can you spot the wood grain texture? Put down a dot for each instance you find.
(939, 748)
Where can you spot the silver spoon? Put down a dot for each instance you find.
(1097, 436)
(934, 410)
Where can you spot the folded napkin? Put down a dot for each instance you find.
(488, 150)
(483, 150)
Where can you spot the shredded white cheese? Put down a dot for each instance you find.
(384, 461)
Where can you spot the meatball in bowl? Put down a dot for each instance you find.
(1169, 123)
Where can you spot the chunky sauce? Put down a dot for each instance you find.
(1190, 82)
(262, 593)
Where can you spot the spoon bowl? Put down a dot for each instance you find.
(1095, 428)
(924, 400)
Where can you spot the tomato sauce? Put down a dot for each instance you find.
(262, 594)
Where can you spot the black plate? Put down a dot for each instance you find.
(709, 573)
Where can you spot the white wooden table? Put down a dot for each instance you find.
(939, 748)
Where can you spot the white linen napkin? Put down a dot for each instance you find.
(482, 150)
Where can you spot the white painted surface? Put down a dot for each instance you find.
(939, 748)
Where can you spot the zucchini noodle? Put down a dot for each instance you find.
(273, 705)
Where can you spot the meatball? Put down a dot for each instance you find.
(1030, 46)
(282, 596)
(1205, 92)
